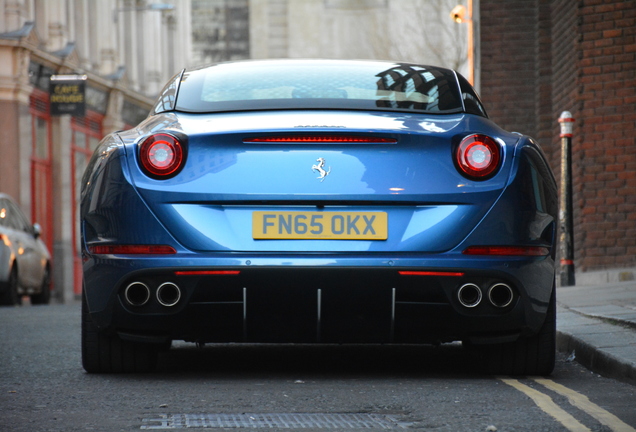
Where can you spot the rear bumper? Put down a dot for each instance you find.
(318, 298)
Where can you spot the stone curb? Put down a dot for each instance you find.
(595, 359)
(584, 337)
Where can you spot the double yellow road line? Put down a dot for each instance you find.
(578, 400)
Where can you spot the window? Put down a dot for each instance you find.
(319, 84)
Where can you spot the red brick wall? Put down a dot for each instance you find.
(508, 63)
(607, 145)
(541, 57)
(546, 127)
(564, 53)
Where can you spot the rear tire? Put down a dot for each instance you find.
(10, 295)
(44, 296)
(106, 353)
(534, 355)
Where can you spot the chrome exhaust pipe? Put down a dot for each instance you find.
(469, 295)
(168, 294)
(137, 294)
(500, 295)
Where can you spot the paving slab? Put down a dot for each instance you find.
(596, 326)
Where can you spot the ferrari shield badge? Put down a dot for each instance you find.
(319, 168)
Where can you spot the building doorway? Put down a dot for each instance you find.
(41, 166)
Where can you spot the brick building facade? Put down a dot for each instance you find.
(542, 57)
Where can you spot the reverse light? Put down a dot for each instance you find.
(478, 156)
(321, 139)
(131, 250)
(507, 250)
(161, 155)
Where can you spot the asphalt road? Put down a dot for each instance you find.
(289, 388)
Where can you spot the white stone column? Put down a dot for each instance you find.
(63, 248)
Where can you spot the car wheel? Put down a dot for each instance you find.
(10, 295)
(105, 353)
(44, 296)
(533, 355)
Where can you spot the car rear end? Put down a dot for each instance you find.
(249, 237)
(319, 226)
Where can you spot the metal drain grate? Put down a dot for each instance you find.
(271, 421)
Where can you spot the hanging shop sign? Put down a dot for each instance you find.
(67, 95)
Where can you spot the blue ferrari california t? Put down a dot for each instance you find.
(316, 201)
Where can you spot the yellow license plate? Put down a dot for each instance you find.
(325, 225)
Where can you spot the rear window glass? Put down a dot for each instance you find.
(292, 84)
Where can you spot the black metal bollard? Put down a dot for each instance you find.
(565, 212)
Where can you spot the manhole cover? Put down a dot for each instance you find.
(271, 421)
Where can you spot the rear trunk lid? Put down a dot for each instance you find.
(238, 193)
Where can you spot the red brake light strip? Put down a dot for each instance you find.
(430, 273)
(507, 250)
(132, 250)
(321, 139)
(207, 272)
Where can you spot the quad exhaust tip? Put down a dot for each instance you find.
(469, 295)
(137, 294)
(500, 295)
(168, 294)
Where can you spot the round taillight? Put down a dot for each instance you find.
(161, 155)
(478, 156)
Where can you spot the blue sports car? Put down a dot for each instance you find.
(316, 201)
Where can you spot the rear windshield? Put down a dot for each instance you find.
(262, 85)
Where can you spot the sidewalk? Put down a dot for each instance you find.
(597, 325)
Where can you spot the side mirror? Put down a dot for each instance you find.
(37, 230)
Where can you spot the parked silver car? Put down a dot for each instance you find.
(25, 262)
